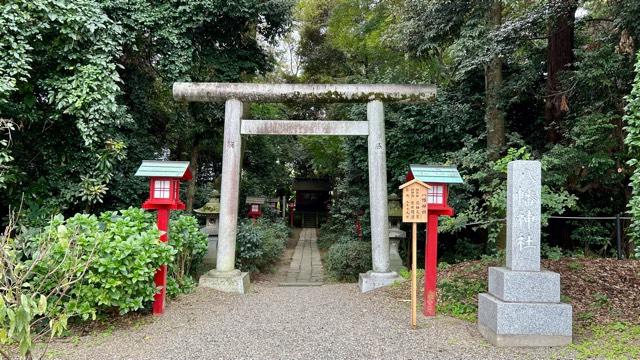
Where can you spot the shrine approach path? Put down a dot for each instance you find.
(332, 321)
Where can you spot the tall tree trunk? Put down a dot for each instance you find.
(191, 189)
(559, 58)
(494, 115)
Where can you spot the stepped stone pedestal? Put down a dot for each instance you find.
(523, 305)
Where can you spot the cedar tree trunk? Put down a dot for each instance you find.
(494, 115)
(559, 58)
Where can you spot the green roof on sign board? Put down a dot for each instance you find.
(436, 174)
(173, 169)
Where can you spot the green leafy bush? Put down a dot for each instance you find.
(191, 245)
(25, 303)
(86, 265)
(260, 244)
(551, 252)
(333, 232)
(346, 260)
(123, 252)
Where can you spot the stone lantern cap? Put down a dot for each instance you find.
(212, 206)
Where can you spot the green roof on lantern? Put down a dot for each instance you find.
(436, 174)
(170, 169)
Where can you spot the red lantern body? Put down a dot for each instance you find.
(292, 209)
(254, 211)
(164, 193)
(255, 206)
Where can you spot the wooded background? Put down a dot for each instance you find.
(85, 96)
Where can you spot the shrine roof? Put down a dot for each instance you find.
(436, 174)
(256, 200)
(311, 184)
(170, 169)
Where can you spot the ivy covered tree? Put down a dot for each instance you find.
(60, 89)
(85, 92)
(632, 140)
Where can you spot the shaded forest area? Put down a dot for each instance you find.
(85, 95)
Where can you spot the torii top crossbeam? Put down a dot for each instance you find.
(327, 93)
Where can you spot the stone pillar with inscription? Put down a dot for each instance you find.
(381, 275)
(225, 277)
(522, 307)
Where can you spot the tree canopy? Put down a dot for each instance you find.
(85, 95)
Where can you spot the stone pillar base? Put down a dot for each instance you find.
(373, 280)
(523, 340)
(228, 281)
(524, 323)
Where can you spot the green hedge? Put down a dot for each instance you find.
(260, 244)
(120, 252)
(346, 260)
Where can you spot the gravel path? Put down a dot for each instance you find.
(271, 322)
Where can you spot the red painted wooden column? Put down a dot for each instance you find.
(431, 266)
(160, 277)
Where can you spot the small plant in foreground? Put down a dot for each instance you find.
(30, 310)
(457, 297)
(617, 340)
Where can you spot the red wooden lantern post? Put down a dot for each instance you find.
(164, 196)
(438, 177)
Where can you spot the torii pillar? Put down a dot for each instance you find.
(226, 277)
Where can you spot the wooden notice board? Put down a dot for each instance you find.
(414, 201)
(414, 211)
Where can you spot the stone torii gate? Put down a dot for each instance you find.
(225, 277)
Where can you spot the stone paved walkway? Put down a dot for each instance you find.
(306, 266)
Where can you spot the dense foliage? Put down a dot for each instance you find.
(191, 246)
(88, 265)
(632, 140)
(260, 243)
(346, 260)
(542, 80)
(123, 251)
(85, 93)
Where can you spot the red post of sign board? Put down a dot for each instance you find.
(430, 266)
(160, 277)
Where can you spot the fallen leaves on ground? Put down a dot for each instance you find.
(601, 290)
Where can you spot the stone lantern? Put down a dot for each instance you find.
(395, 234)
(211, 212)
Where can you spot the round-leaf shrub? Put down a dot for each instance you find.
(346, 260)
(259, 244)
(191, 245)
(122, 252)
